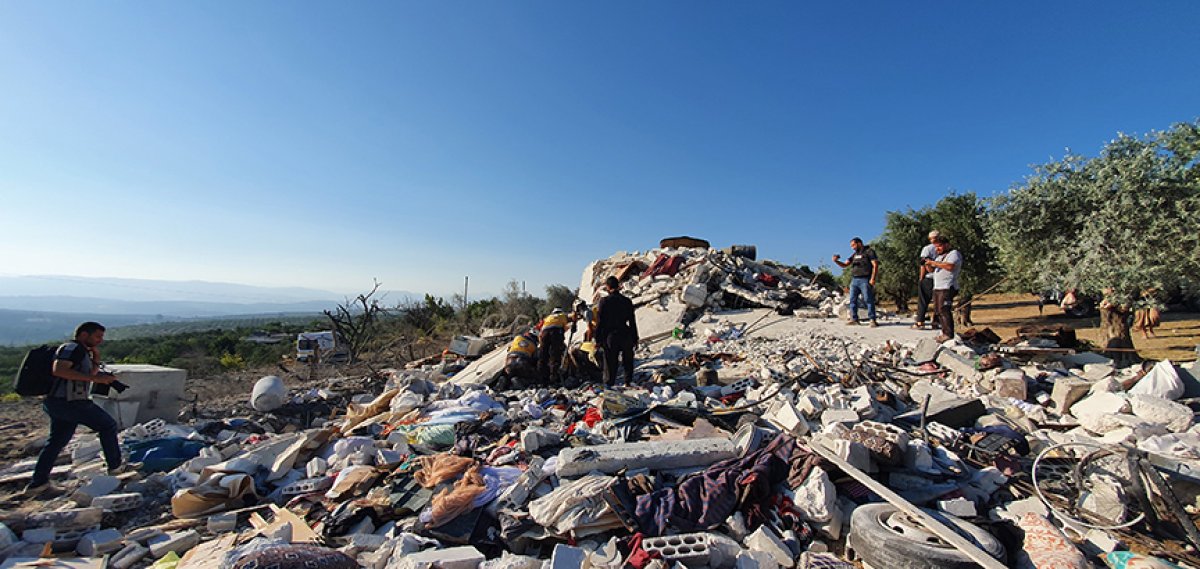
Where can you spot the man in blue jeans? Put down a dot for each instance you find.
(864, 266)
(69, 404)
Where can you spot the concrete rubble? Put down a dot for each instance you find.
(706, 459)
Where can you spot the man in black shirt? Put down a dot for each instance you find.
(69, 404)
(616, 331)
(864, 266)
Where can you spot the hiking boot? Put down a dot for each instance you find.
(32, 490)
(874, 324)
(122, 469)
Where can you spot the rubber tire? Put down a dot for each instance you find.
(882, 548)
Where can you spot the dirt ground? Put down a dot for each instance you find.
(1176, 339)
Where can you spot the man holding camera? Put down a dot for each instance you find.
(69, 404)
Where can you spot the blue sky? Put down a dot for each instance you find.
(325, 144)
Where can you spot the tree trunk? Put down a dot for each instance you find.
(1114, 335)
(901, 303)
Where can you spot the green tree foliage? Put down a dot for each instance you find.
(1113, 225)
(558, 296)
(961, 218)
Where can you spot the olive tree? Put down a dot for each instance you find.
(1115, 225)
(961, 218)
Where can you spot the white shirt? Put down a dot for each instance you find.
(943, 279)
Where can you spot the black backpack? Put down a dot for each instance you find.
(35, 378)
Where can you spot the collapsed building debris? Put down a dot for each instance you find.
(753, 440)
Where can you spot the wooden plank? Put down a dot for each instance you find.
(938, 528)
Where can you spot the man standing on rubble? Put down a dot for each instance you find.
(551, 345)
(864, 266)
(616, 331)
(69, 404)
(925, 280)
(945, 269)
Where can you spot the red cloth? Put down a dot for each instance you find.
(592, 416)
(638, 557)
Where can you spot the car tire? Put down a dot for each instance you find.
(884, 537)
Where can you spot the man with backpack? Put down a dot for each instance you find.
(69, 404)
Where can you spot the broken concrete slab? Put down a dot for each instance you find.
(611, 458)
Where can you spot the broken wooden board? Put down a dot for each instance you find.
(938, 528)
(301, 533)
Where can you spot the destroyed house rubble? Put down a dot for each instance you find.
(788, 446)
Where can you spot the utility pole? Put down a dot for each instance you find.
(466, 283)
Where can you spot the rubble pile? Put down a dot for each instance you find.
(692, 280)
(778, 444)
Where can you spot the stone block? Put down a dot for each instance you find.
(567, 557)
(1011, 383)
(178, 542)
(62, 519)
(95, 487)
(38, 535)
(308, 486)
(128, 556)
(1176, 417)
(98, 543)
(785, 416)
(659, 455)
(465, 557)
(1100, 404)
(747, 559)
(765, 540)
(118, 502)
(926, 351)
(1068, 390)
(221, 523)
(318, 466)
(518, 494)
(959, 365)
(534, 439)
(831, 416)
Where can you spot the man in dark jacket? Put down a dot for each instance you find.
(616, 331)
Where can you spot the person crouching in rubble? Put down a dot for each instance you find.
(616, 331)
(520, 366)
(69, 404)
(551, 345)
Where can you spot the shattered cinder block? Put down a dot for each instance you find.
(691, 549)
(118, 502)
(1068, 390)
(179, 542)
(98, 543)
(128, 556)
(960, 507)
(765, 540)
(785, 416)
(96, 487)
(308, 486)
(1176, 417)
(567, 557)
(659, 455)
(465, 557)
(1101, 404)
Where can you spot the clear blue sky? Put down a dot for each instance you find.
(323, 144)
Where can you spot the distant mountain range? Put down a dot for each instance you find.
(47, 307)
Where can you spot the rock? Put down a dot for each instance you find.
(816, 498)
(1068, 390)
(1176, 417)
(1100, 404)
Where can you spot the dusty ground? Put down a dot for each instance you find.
(1004, 313)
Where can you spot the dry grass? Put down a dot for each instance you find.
(1004, 313)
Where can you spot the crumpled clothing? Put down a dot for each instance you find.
(1131, 560)
(704, 500)
(453, 502)
(497, 479)
(1046, 546)
(574, 505)
(638, 556)
(297, 555)
(441, 468)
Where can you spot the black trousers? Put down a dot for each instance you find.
(65, 416)
(614, 347)
(924, 297)
(551, 345)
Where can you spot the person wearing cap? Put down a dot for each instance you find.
(925, 280)
(520, 365)
(864, 267)
(551, 345)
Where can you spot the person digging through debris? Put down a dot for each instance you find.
(925, 281)
(616, 331)
(945, 285)
(520, 366)
(864, 266)
(551, 345)
(69, 404)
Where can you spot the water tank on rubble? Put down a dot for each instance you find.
(269, 394)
